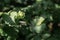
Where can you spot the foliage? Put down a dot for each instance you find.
(28, 19)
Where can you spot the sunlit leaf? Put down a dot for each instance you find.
(40, 20)
(21, 14)
(40, 28)
(1, 31)
(7, 19)
(57, 6)
(13, 15)
(1, 13)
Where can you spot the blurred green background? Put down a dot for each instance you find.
(29, 19)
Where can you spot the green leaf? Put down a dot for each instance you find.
(40, 28)
(8, 19)
(1, 31)
(10, 31)
(13, 15)
(1, 13)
